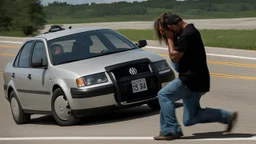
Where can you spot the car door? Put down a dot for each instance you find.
(37, 76)
(20, 72)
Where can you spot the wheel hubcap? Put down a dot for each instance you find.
(15, 108)
(61, 108)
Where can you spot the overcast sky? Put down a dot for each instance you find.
(44, 2)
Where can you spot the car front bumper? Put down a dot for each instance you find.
(118, 95)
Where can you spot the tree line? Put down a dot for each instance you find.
(30, 16)
(25, 15)
(59, 9)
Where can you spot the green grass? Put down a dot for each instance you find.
(15, 33)
(238, 39)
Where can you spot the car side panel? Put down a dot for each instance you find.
(62, 78)
(39, 95)
(22, 86)
(10, 82)
(7, 77)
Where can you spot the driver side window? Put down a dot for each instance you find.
(39, 52)
(23, 58)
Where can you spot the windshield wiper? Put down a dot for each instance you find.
(70, 61)
(116, 51)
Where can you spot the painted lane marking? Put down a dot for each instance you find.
(232, 76)
(117, 138)
(209, 54)
(12, 47)
(14, 42)
(6, 54)
(223, 62)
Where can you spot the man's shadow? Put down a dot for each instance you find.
(219, 135)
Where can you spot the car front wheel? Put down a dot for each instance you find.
(61, 110)
(17, 112)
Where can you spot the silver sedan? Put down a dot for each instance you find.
(81, 72)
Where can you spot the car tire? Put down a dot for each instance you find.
(61, 110)
(154, 104)
(17, 112)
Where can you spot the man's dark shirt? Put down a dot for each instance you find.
(193, 69)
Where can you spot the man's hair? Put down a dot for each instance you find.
(163, 20)
(160, 21)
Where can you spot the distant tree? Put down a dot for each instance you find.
(26, 15)
(33, 18)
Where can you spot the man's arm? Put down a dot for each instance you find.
(173, 54)
(177, 52)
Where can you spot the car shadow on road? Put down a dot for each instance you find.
(218, 135)
(112, 117)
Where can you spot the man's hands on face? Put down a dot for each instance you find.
(169, 33)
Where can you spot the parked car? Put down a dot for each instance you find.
(81, 72)
(56, 28)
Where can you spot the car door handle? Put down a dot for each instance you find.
(13, 75)
(29, 76)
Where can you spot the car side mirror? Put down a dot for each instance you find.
(141, 43)
(38, 64)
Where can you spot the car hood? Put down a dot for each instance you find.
(98, 64)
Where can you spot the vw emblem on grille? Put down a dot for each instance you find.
(133, 71)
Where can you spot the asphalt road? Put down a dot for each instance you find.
(236, 23)
(233, 80)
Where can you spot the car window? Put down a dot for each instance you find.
(118, 43)
(39, 52)
(97, 45)
(24, 58)
(85, 45)
(16, 62)
(65, 46)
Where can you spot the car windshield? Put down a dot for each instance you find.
(87, 45)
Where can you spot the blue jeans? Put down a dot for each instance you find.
(193, 113)
(175, 66)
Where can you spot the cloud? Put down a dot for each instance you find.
(45, 2)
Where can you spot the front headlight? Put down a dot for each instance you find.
(92, 80)
(161, 65)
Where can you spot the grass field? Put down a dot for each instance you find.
(15, 33)
(239, 39)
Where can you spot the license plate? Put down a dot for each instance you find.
(139, 85)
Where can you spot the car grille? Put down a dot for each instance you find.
(124, 71)
(123, 79)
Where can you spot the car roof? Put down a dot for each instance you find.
(65, 32)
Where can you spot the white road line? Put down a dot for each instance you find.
(209, 54)
(74, 138)
(232, 56)
(11, 42)
(162, 48)
(117, 138)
